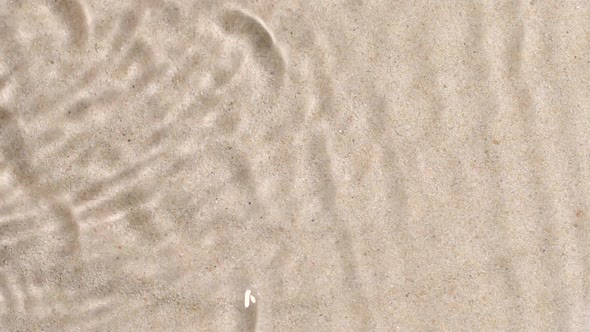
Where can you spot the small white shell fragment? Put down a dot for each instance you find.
(247, 298)
(252, 298)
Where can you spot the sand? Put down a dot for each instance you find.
(358, 166)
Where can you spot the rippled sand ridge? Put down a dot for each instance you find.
(180, 165)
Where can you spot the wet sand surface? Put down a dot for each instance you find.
(357, 165)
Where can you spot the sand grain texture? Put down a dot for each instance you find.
(360, 166)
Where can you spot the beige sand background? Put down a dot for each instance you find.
(359, 165)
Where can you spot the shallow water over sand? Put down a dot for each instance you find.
(358, 166)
